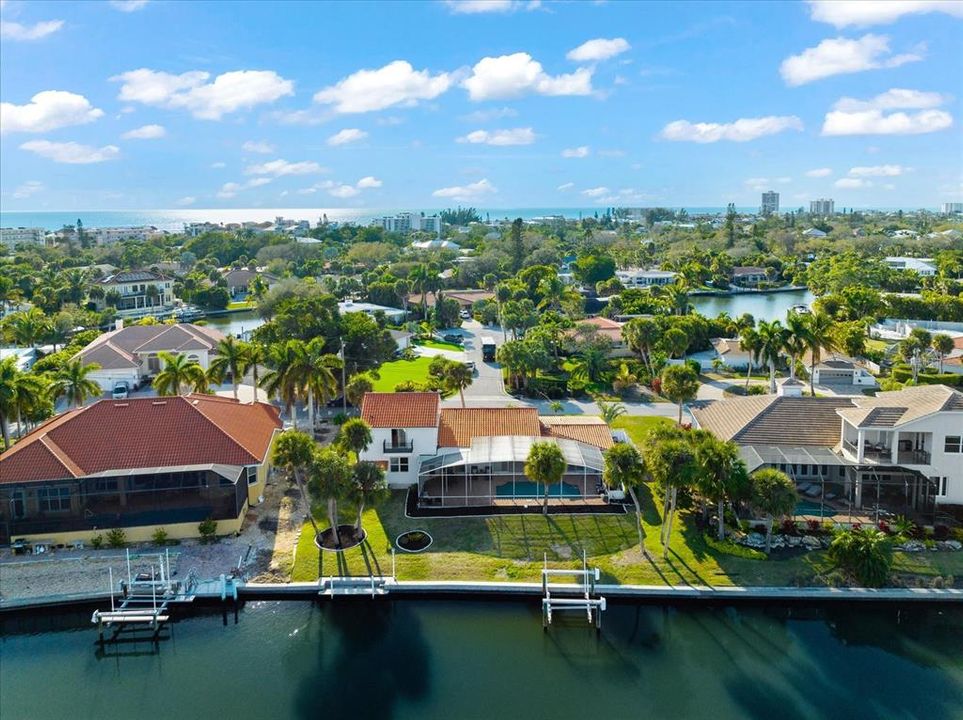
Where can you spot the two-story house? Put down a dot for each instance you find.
(131, 353)
(404, 428)
(137, 293)
(642, 278)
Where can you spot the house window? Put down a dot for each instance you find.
(398, 465)
(953, 444)
(54, 499)
(842, 471)
(102, 485)
(941, 486)
(252, 475)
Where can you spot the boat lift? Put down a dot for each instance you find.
(146, 599)
(581, 597)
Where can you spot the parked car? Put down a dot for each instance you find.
(121, 390)
(470, 364)
(453, 338)
(465, 315)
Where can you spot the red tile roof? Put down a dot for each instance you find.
(458, 426)
(400, 409)
(143, 433)
(590, 430)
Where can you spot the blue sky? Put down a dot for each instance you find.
(134, 105)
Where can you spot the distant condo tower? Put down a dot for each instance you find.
(822, 207)
(770, 203)
(951, 208)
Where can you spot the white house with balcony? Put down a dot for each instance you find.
(924, 267)
(643, 278)
(404, 428)
(139, 293)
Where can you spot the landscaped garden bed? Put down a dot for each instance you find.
(347, 534)
(413, 541)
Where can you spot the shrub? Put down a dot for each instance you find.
(757, 390)
(656, 385)
(885, 528)
(339, 419)
(941, 532)
(208, 530)
(116, 538)
(409, 353)
(760, 528)
(917, 532)
(406, 386)
(866, 555)
(789, 527)
(97, 541)
(160, 536)
(813, 525)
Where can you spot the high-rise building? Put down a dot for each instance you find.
(822, 207)
(951, 208)
(770, 203)
(411, 222)
(11, 237)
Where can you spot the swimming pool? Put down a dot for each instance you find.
(529, 489)
(807, 507)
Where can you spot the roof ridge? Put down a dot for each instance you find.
(62, 457)
(192, 404)
(770, 401)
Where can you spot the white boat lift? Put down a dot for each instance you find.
(146, 599)
(580, 597)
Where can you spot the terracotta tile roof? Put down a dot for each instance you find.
(892, 409)
(464, 297)
(586, 429)
(400, 409)
(118, 348)
(458, 426)
(143, 433)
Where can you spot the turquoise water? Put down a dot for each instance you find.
(762, 306)
(529, 489)
(813, 508)
(422, 660)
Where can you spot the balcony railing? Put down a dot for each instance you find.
(913, 457)
(398, 447)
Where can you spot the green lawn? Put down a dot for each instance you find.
(438, 345)
(242, 305)
(398, 371)
(638, 426)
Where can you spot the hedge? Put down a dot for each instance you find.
(902, 373)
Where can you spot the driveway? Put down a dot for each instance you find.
(487, 389)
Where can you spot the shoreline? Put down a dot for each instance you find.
(468, 590)
(747, 291)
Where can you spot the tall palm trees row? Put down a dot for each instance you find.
(767, 343)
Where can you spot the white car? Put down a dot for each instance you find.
(121, 390)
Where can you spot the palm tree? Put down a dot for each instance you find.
(622, 466)
(368, 483)
(294, 451)
(556, 406)
(623, 379)
(774, 495)
(179, 373)
(680, 384)
(503, 293)
(286, 378)
(866, 554)
(722, 473)
(27, 327)
(458, 376)
(591, 363)
(545, 465)
(772, 342)
(943, 346)
(675, 342)
(254, 355)
(354, 436)
(795, 344)
(609, 412)
(670, 461)
(819, 337)
(229, 359)
(319, 380)
(12, 385)
(642, 334)
(330, 476)
(71, 382)
(749, 341)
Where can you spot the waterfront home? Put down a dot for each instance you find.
(239, 280)
(464, 298)
(604, 328)
(458, 457)
(139, 464)
(732, 354)
(841, 371)
(131, 354)
(138, 293)
(26, 357)
(924, 267)
(642, 278)
(394, 315)
(900, 451)
(749, 275)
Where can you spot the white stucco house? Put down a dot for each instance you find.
(131, 353)
(842, 372)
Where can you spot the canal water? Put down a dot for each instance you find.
(762, 306)
(379, 660)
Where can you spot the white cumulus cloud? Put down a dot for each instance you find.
(840, 56)
(477, 7)
(576, 152)
(598, 49)
(368, 182)
(853, 183)
(878, 171)
(191, 91)
(819, 172)
(47, 110)
(343, 191)
(185, 201)
(514, 136)
(128, 6)
(741, 130)
(509, 76)
(860, 13)
(348, 135)
(71, 153)
(10, 30)
(261, 147)
(565, 186)
(397, 83)
(280, 168)
(145, 132)
(596, 192)
(25, 190)
(886, 114)
(762, 183)
(464, 193)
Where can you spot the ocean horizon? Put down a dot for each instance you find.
(173, 220)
